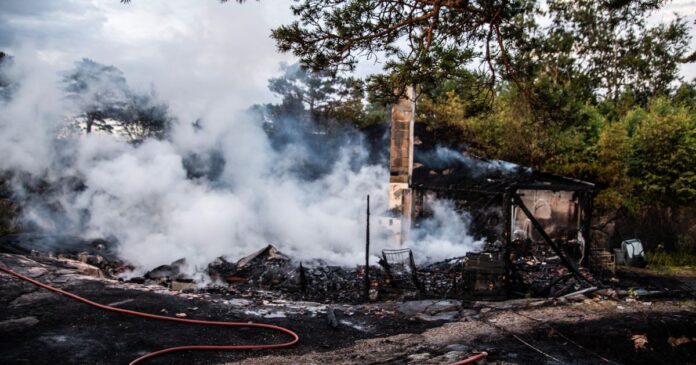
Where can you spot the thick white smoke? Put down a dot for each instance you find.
(141, 194)
(443, 235)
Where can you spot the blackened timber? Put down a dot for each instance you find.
(367, 253)
(480, 211)
(414, 274)
(507, 229)
(454, 191)
(554, 187)
(303, 279)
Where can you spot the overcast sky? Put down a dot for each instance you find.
(190, 51)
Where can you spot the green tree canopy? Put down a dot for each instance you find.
(416, 35)
(663, 158)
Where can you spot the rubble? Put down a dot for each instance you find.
(546, 277)
(272, 274)
(269, 275)
(99, 254)
(269, 269)
(430, 307)
(331, 318)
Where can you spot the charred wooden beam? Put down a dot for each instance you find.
(367, 253)
(414, 274)
(455, 191)
(303, 279)
(540, 229)
(507, 228)
(554, 187)
(586, 207)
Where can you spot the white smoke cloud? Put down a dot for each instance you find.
(444, 235)
(36, 112)
(206, 60)
(140, 194)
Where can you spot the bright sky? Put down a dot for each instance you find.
(191, 51)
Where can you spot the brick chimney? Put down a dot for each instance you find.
(401, 160)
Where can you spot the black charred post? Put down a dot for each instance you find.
(507, 217)
(540, 229)
(508, 206)
(303, 279)
(367, 253)
(387, 268)
(586, 207)
(414, 274)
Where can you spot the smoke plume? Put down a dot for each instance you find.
(218, 187)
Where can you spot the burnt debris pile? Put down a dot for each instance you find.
(99, 253)
(545, 277)
(270, 270)
(270, 273)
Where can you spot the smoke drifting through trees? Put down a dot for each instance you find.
(238, 193)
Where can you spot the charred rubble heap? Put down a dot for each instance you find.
(394, 278)
(265, 274)
(270, 274)
(536, 225)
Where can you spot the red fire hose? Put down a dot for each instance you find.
(472, 359)
(295, 337)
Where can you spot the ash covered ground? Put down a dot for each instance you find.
(643, 319)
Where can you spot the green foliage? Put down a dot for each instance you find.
(685, 96)
(663, 157)
(609, 45)
(679, 261)
(670, 259)
(613, 148)
(415, 36)
(646, 158)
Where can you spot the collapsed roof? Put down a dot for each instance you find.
(438, 168)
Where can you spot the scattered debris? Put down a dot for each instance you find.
(120, 302)
(485, 275)
(331, 318)
(678, 341)
(580, 292)
(640, 342)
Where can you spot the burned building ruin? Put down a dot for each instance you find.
(518, 211)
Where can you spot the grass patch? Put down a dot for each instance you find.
(689, 271)
(662, 258)
(671, 263)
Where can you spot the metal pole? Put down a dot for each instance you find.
(367, 253)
